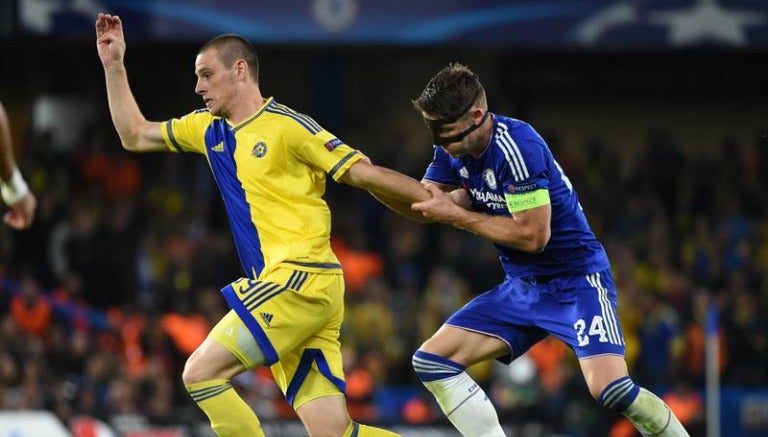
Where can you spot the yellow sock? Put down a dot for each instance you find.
(356, 430)
(230, 416)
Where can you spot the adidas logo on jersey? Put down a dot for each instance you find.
(218, 147)
(267, 318)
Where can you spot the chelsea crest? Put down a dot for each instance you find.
(489, 178)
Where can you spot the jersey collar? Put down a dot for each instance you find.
(242, 124)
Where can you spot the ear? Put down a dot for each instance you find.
(477, 114)
(242, 67)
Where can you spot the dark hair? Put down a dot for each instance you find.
(450, 92)
(230, 48)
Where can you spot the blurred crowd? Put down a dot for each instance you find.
(117, 282)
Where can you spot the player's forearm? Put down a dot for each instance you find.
(401, 208)
(396, 186)
(7, 160)
(13, 187)
(385, 182)
(528, 237)
(126, 115)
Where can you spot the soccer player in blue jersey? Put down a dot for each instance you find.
(270, 163)
(495, 176)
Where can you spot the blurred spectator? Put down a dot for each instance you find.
(660, 341)
(186, 329)
(31, 311)
(359, 265)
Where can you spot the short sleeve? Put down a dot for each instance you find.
(526, 177)
(187, 133)
(323, 150)
(440, 169)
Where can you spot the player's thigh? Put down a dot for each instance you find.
(283, 309)
(463, 346)
(601, 370)
(232, 334)
(313, 368)
(211, 360)
(581, 311)
(499, 323)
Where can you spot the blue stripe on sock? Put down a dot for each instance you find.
(431, 367)
(355, 429)
(619, 394)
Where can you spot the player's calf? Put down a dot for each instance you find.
(649, 414)
(206, 377)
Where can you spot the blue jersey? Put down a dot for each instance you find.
(518, 161)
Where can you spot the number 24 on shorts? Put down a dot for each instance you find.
(595, 328)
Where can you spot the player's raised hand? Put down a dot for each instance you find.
(21, 213)
(110, 40)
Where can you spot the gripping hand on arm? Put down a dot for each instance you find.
(441, 207)
(393, 189)
(458, 196)
(136, 133)
(527, 230)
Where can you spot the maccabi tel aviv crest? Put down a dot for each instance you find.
(259, 150)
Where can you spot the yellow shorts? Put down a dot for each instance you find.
(294, 317)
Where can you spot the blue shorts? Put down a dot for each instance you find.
(578, 309)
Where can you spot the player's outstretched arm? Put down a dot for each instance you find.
(527, 230)
(400, 207)
(15, 191)
(458, 195)
(395, 190)
(136, 133)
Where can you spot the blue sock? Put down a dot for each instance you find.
(431, 367)
(618, 394)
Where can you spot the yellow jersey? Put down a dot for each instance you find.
(270, 170)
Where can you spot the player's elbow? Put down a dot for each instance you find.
(131, 146)
(139, 144)
(537, 239)
(538, 244)
(140, 137)
(131, 141)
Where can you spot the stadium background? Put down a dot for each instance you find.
(658, 121)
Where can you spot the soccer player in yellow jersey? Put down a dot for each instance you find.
(270, 164)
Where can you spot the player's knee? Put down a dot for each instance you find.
(190, 374)
(327, 427)
(430, 367)
(196, 370)
(325, 417)
(618, 394)
(601, 372)
(596, 387)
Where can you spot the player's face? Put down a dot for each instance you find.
(216, 83)
(471, 143)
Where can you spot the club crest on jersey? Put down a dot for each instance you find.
(464, 173)
(489, 178)
(259, 150)
(333, 143)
